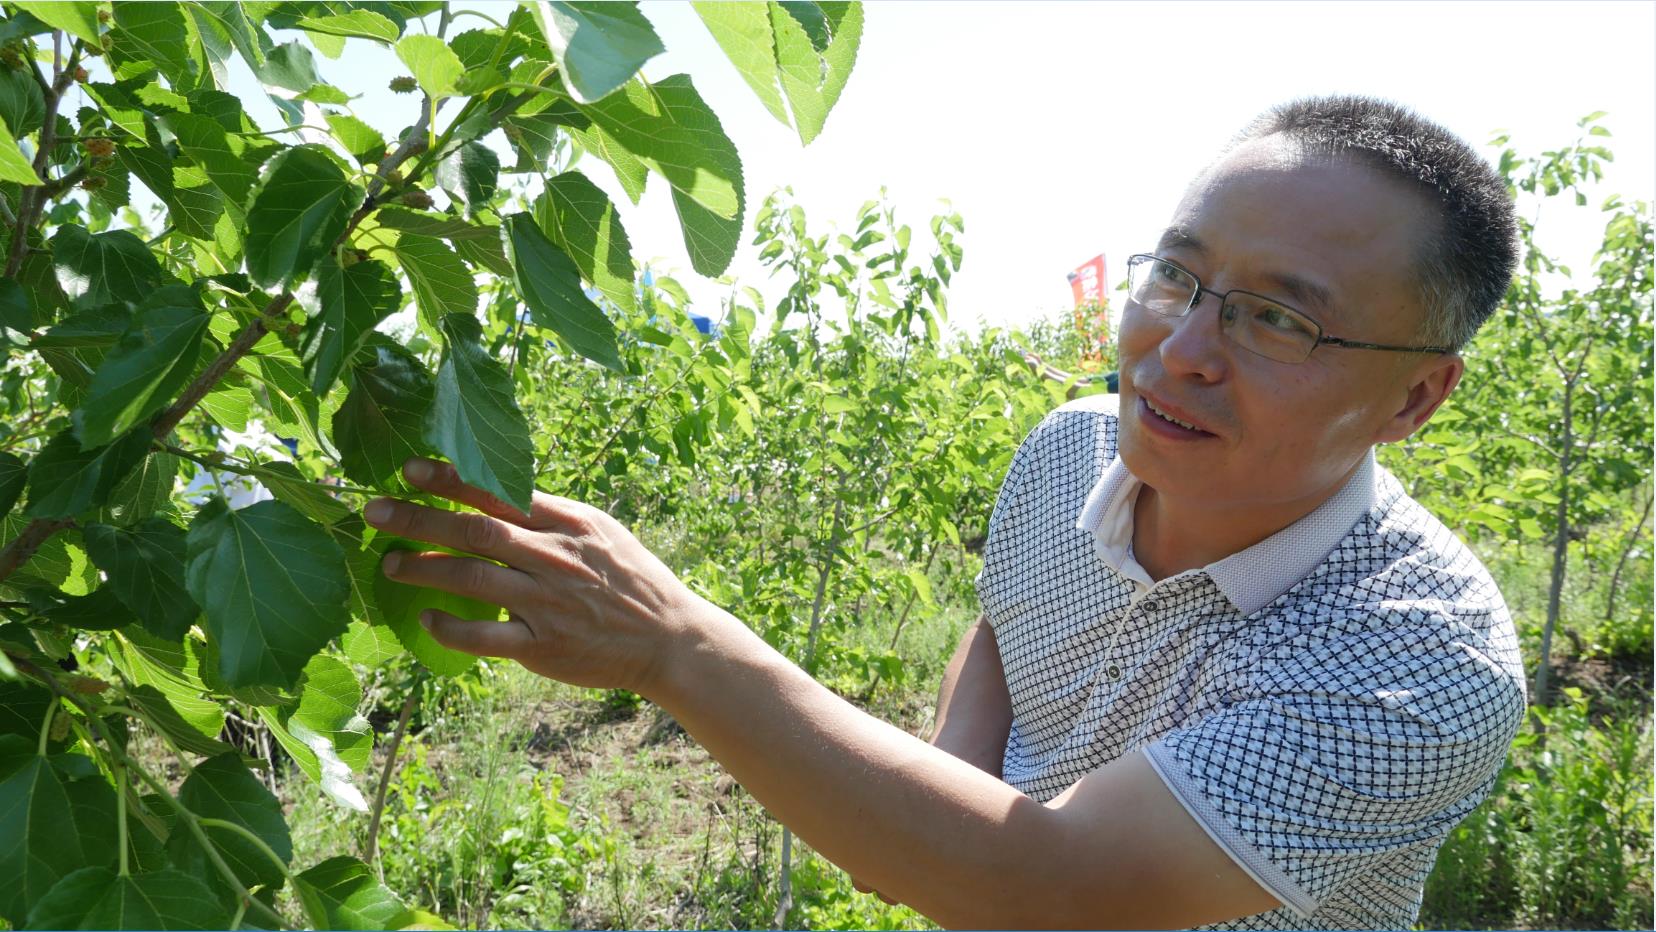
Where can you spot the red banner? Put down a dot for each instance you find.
(1087, 281)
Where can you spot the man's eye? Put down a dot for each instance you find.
(1275, 317)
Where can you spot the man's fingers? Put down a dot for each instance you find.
(473, 578)
(483, 638)
(439, 478)
(457, 530)
(861, 887)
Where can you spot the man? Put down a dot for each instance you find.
(1227, 672)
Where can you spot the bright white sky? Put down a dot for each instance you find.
(1060, 130)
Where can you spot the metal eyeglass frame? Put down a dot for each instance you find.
(1322, 336)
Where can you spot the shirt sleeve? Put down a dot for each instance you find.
(1345, 750)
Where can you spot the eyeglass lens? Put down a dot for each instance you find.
(1256, 324)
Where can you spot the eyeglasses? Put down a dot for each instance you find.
(1254, 322)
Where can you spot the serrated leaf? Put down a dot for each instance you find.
(174, 670)
(474, 419)
(598, 46)
(363, 142)
(223, 788)
(439, 279)
(813, 75)
(151, 32)
(344, 892)
(13, 166)
(630, 173)
(550, 284)
(290, 66)
(159, 712)
(352, 301)
(229, 407)
(272, 585)
(22, 104)
(382, 421)
(402, 604)
(669, 128)
(144, 566)
(297, 214)
(101, 268)
(579, 218)
(743, 31)
(78, 19)
(224, 26)
(65, 480)
(99, 898)
(144, 491)
(57, 816)
(434, 65)
(323, 732)
(361, 24)
(370, 645)
(146, 368)
(470, 174)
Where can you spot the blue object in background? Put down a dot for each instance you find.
(705, 325)
(292, 443)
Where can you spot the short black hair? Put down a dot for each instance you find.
(1464, 266)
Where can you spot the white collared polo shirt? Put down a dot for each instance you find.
(1326, 704)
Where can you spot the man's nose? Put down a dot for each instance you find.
(1195, 347)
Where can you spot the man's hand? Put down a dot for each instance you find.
(587, 603)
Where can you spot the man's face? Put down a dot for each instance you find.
(1273, 434)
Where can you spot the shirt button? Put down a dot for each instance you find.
(1149, 605)
(1113, 671)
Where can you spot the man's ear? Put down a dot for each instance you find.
(1428, 388)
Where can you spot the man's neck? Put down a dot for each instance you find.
(1171, 536)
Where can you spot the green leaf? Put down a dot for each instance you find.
(290, 66)
(630, 173)
(548, 281)
(224, 26)
(382, 421)
(470, 175)
(743, 31)
(402, 604)
(143, 492)
(433, 64)
(370, 645)
(669, 128)
(310, 499)
(152, 32)
(580, 219)
(273, 586)
(159, 712)
(352, 301)
(441, 282)
(145, 569)
(218, 155)
(345, 892)
(474, 419)
(223, 788)
(14, 474)
(154, 358)
(922, 585)
(174, 670)
(323, 732)
(598, 46)
(57, 816)
(812, 83)
(365, 143)
(22, 104)
(359, 24)
(101, 268)
(78, 19)
(23, 710)
(99, 898)
(16, 310)
(65, 480)
(296, 216)
(99, 610)
(13, 166)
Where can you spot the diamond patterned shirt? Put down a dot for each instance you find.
(1326, 704)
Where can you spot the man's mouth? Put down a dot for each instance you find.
(1168, 417)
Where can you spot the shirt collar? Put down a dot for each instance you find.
(1251, 579)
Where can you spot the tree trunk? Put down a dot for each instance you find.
(1561, 541)
(1626, 551)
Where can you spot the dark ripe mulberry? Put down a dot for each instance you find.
(80, 75)
(417, 199)
(403, 84)
(99, 147)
